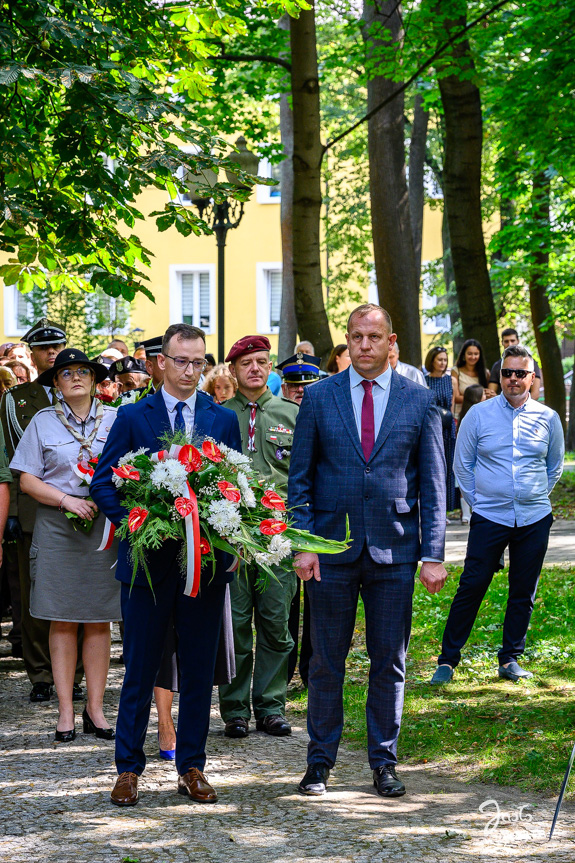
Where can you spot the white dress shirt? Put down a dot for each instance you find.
(380, 393)
(188, 411)
(410, 372)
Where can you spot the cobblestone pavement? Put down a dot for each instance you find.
(54, 803)
(561, 550)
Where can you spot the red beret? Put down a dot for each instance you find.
(248, 345)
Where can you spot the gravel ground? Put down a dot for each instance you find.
(54, 802)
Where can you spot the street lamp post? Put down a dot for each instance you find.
(222, 218)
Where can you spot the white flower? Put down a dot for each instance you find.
(169, 474)
(224, 517)
(117, 480)
(248, 496)
(238, 459)
(280, 545)
(278, 549)
(130, 398)
(130, 456)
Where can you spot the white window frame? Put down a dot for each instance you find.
(11, 327)
(263, 311)
(428, 302)
(106, 331)
(372, 292)
(175, 282)
(264, 194)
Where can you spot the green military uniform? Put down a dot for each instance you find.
(274, 428)
(17, 408)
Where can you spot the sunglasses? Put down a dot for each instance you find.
(519, 373)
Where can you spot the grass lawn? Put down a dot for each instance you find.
(484, 728)
(563, 496)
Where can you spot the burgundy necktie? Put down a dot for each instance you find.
(367, 420)
(253, 406)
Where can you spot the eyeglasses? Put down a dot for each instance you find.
(68, 374)
(182, 364)
(519, 373)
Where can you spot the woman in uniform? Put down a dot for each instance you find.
(70, 582)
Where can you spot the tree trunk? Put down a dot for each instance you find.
(570, 441)
(395, 267)
(417, 149)
(462, 190)
(541, 315)
(288, 322)
(307, 154)
(450, 289)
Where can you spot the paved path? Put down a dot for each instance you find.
(54, 803)
(561, 544)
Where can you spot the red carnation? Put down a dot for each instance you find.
(272, 526)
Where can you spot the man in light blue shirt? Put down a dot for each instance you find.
(509, 455)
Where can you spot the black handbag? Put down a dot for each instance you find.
(446, 418)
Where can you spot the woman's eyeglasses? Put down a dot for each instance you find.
(68, 374)
(519, 373)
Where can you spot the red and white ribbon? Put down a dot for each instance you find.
(108, 537)
(194, 563)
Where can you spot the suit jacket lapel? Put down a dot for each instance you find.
(204, 416)
(157, 415)
(345, 407)
(395, 401)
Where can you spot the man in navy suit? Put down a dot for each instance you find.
(368, 444)
(177, 405)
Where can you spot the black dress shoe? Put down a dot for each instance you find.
(65, 736)
(315, 780)
(90, 728)
(237, 727)
(386, 781)
(77, 692)
(276, 725)
(40, 692)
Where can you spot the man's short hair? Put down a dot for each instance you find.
(184, 332)
(510, 332)
(518, 351)
(307, 343)
(365, 309)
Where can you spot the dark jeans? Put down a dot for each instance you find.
(487, 541)
(387, 592)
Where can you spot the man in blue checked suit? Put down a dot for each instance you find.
(368, 444)
(197, 620)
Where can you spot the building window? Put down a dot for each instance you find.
(107, 315)
(268, 297)
(432, 324)
(20, 311)
(192, 295)
(269, 194)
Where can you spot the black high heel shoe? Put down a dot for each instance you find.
(90, 728)
(65, 736)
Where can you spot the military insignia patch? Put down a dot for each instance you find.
(279, 453)
(21, 403)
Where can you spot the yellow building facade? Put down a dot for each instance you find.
(183, 276)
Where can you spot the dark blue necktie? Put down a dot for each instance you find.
(180, 423)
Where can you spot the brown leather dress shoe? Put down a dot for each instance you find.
(125, 791)
(195, 785)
